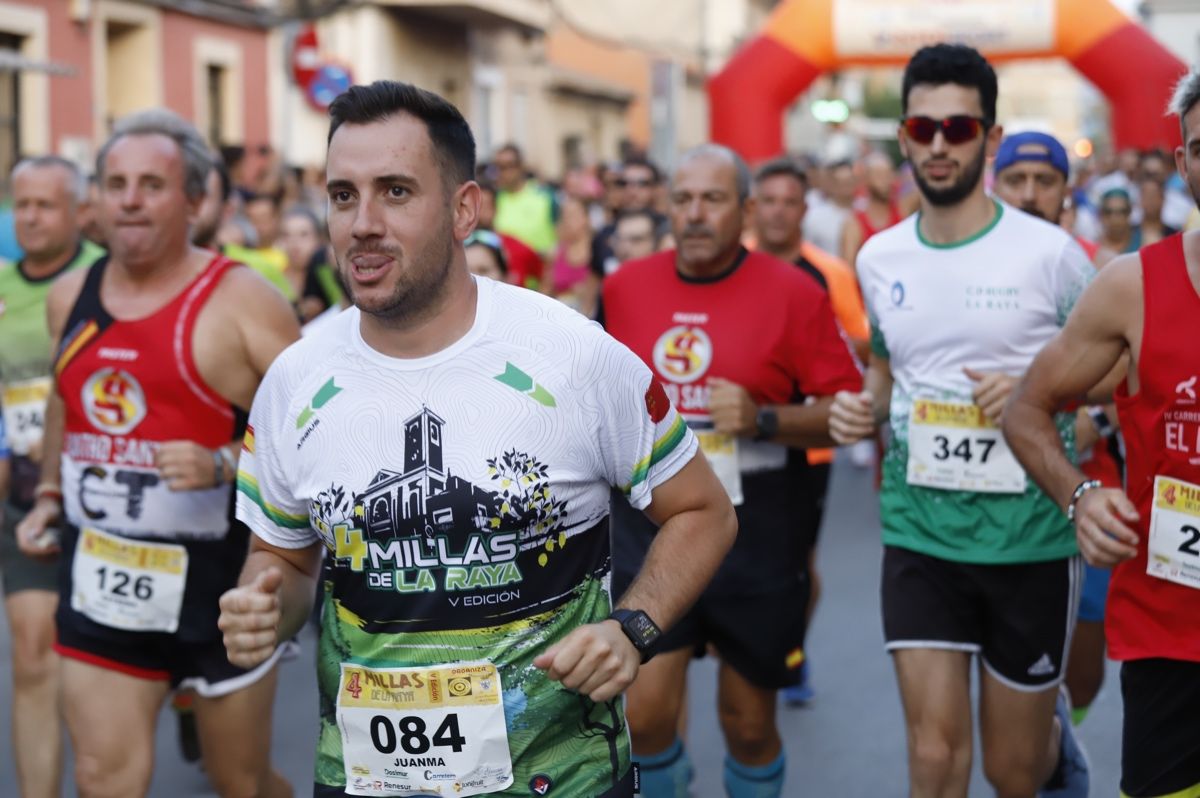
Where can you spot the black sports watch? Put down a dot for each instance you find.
(767, 422)
(641, 631)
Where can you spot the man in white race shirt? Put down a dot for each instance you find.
(451, 442)
(977, 560)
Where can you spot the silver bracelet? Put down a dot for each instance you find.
(1083, 488)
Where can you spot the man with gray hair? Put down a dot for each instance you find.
(48, 195)
(736, 385)
(1143, 306)
(159, 349)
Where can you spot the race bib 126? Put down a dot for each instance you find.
(954, 446)
(128, 584)
(1174, 545)
(437, 730)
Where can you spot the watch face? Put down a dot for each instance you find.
(643, 628)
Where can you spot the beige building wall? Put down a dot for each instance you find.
(697, 36)
(32, 24)
(1043, 95)
(1176, 23)
(517, 83)
(374, 43)
(127, 68)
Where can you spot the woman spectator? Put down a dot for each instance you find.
(485, 255)
(308, 271)
(1152, 196)
(571, 278)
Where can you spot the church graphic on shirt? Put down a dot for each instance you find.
(424, 498)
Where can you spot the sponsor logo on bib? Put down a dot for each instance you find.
(683, 354)
(1181, 423)
(114, 401)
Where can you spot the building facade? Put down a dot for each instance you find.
(69, 68)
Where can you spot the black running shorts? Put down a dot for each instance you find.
(192, 657)
(1019, 618)
(1160, 747)
(17, 571)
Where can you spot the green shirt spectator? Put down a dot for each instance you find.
(524, 209)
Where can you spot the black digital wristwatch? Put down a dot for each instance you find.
(641, 631)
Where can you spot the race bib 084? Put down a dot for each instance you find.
(128, 584)
(1174, 545)
(24, 413)
(954, 446)
(437, 730)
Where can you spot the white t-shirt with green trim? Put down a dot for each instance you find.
(463, 501)
(989, 303)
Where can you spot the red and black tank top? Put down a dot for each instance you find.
(128, 386)
(868, 227)
(1157, 614)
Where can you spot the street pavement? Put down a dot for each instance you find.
(848, 743)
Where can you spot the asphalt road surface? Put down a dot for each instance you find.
(848, 743)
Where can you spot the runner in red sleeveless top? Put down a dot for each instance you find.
(877, 202)
(160, 348)
(1146, 306)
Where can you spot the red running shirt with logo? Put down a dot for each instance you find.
(1159, 615)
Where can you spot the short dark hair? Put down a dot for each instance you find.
(510, 147)
(306, 213)
(781, 167)
(232, 155)
(487, 187)
(453, 143)
(659, 224)
(644, 163)
(1154, 154)
(223, 176)
(939, 64)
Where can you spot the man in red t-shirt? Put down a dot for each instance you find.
(749, 353)
(1143, 306)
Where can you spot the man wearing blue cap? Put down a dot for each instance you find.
(1032, 172)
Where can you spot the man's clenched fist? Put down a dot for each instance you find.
(596, 660)
(250, 619)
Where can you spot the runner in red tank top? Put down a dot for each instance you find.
(1145, 305)
(160, 347)
(879, 202)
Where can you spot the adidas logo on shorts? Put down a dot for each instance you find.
(1043, 667)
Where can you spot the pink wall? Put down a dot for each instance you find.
(178, 65)
(70, 96)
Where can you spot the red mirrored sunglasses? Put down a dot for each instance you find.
(957, 129)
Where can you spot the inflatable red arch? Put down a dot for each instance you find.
(804, 38)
